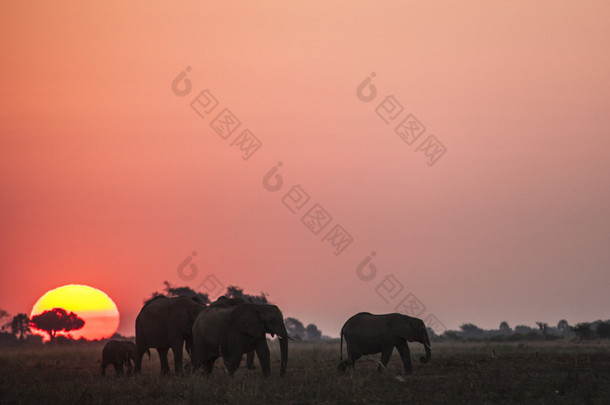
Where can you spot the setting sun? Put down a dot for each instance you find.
(92, 305)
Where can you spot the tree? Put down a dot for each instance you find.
(543, 326)
(603, 330)
(57, 320)
(20, 326)
(582, 330)
(312, 332)
(185, 292)
(236, 292)
(471, 331)
(297, 331)
(4, 325)
(171, 291)
(3, 314)
(504, 328)
(295, 328)
(524, 329)
(563, 327)
(452, 335)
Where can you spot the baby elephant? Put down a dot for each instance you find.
(117, 352)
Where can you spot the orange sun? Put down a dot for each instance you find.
(97, 310)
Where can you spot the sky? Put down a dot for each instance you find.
(448, 160)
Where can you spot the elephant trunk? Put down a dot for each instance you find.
(426, 358)
(284, 354)
(426, 342)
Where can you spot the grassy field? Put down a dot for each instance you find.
(467, 373)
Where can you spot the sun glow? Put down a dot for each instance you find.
(99, 312)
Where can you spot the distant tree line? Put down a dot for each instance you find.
(17, 328)
(582, 331)
(298, 331)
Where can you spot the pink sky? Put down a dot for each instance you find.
(109, 179)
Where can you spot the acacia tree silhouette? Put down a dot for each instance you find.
(57, 320)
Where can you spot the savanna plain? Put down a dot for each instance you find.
(458, 373)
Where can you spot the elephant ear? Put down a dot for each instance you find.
(401, 327)
(272, 319)
(248, 321)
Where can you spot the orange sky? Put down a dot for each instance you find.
(109, 179)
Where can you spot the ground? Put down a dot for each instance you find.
(458, 373)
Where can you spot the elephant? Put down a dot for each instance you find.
(224, 301)
(366, 333)
(231, 331)
(165, 323)
(117, 353)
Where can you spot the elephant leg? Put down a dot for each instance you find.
(129, 367)
(177, 350)
(138, 359)
(250, 360)
(104, 365)
(118, 368)
(264, 356)
(386, 353)
(208, 366)
(233, 361)
(163, 358)
(405, 355)
(188, 344)
(352, 355)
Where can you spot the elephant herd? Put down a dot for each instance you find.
(230, 328)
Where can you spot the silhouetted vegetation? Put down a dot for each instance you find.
(57, 320)
(298, 331)
(20, 326)
(563, 327)
(171, 291)
(236, 292)
(204, 298)
(603, 330)
(544, 327)
(581, 331)
(3, 324)
(470, 331)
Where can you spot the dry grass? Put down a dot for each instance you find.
(538, 373)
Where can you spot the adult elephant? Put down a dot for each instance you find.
(366, 333)
(224, 301)
(231, 331)
(165, 323)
